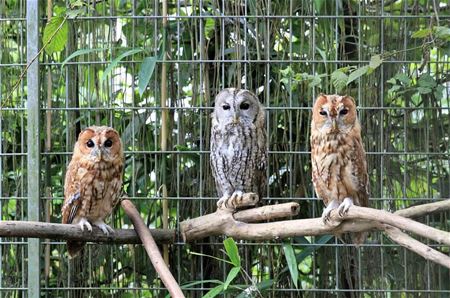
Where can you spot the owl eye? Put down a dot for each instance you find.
(244, 106)
(108, 143)
(344, 112)
(323, 113)
(226, 107)
(90, 144)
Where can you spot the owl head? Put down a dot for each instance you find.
(236, 107)
(99, 143)
(334, 114)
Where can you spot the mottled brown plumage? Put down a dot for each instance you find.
(93, 181)
(238, 145)
(339, 168)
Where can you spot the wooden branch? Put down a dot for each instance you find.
(416, 246)
(424, 209)
(33, 229)
(356, 212)
(152, 249)
(268, 212)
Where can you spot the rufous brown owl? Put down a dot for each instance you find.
(93, 181)
(339, 167)
(238, 145)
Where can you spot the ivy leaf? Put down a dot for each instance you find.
(359, 72)
(56, 30)
(232, 251)
(339, 80)
(291, 261)
(231, 275)
(117, 60)
(145, 73)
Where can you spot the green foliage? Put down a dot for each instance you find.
(55, 35)
(291, 261)
(145, 73)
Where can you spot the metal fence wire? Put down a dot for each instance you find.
(287, 52)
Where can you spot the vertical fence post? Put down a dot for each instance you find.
(33, 143)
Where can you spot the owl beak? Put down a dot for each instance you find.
(334, 124)
(97, 154)
(236, 118)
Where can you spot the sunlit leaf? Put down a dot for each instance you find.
(421, 33)
(375, 61)
(79, 53)
(339, 80)
(55, 35)
(356, 74)
(232, 251)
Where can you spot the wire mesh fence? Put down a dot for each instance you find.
(287, 52)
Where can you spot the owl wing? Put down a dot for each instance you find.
(74, 199)
(359, 170)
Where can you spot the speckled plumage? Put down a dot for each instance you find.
(339, 167)
(93, 181)
(238, 145)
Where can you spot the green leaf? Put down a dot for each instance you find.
(79, 53)
(231, 275)
(359, 72)
(214, 291)
(426, 81)
(291, 261)
(442, 32)
(55, 35)
(145, 73)
(375, 61)
(316, 80)
(439, 92)
(404, 78)
(339, 80)
(117, 60)
(232, 251)
(421, 33)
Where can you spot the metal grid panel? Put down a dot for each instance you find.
(270, 47)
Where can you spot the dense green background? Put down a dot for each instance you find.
(103, 66)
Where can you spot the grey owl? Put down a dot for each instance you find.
(238, 145)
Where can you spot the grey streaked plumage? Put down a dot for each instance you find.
(238, 145)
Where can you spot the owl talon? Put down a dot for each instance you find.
(221, 202)
(104, 227)
(327, 211)
(84, 222)
(345, 205)
(235, 199)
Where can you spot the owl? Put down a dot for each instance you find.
(339, 167)
(93, 181)
(238, 145)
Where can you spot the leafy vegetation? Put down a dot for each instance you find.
(102, 64)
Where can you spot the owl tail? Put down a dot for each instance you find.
(358, 238)
(74, 248)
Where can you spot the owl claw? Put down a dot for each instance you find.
(221, 201)
(104, 227)
(235, 199)
(84, 222)
(345, 205)
(327, 211)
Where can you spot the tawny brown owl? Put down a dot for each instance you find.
(93, 181)
(339, 168)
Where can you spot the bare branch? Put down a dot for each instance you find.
(152, 249)
(44, 230)
(416, 246)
